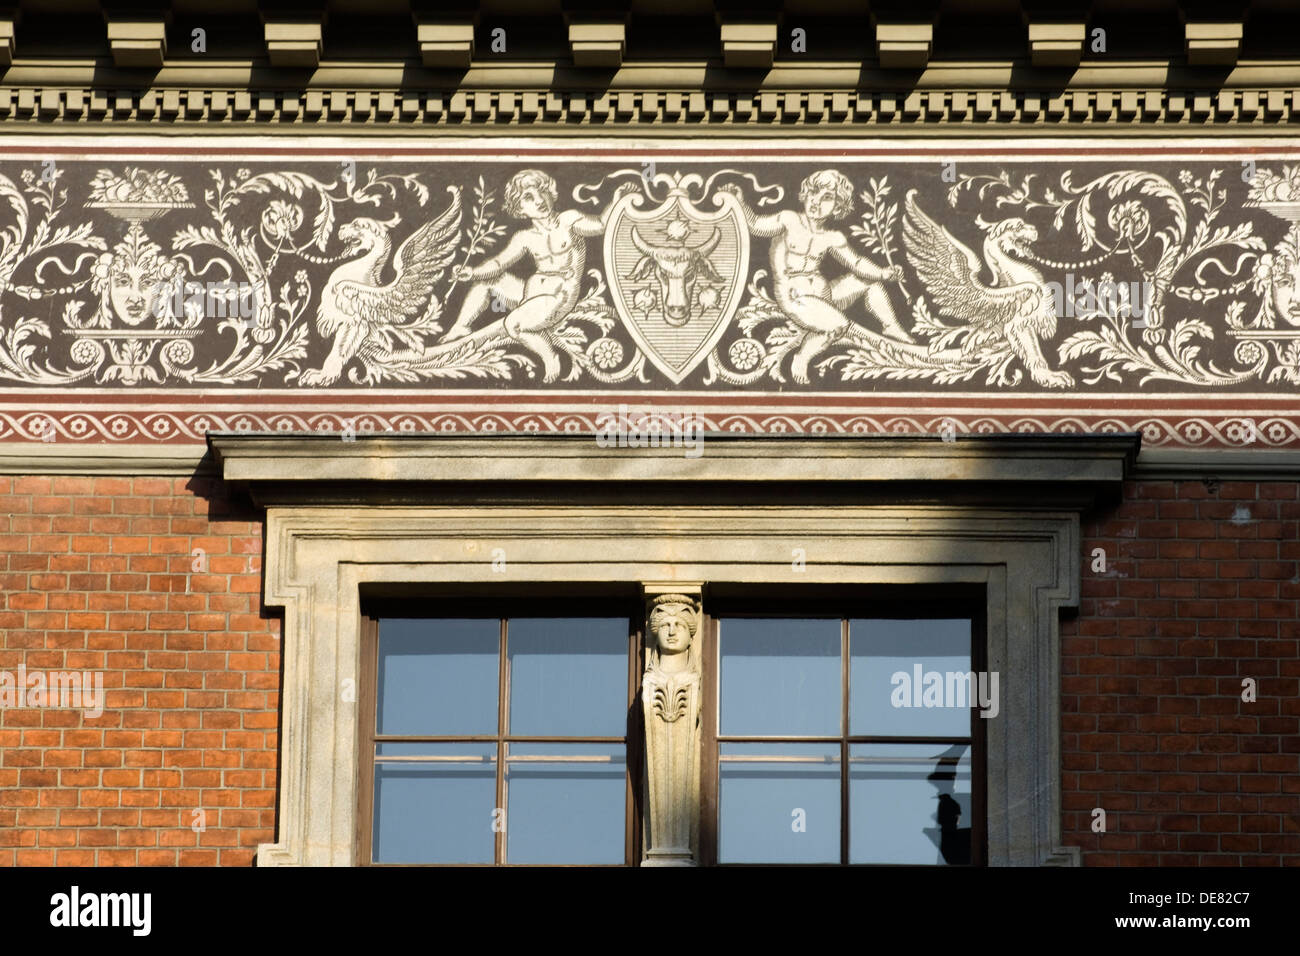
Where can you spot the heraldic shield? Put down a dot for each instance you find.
(676, 271)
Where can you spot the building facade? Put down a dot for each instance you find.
(653, 434)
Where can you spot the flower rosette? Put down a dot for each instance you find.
(745, 354)
(1129, 220)
(86, 353)
(280, 220)
(605, 353)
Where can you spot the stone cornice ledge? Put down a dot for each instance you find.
(28, 458)
(62, 458)
(1281, 464)
(1082, 461)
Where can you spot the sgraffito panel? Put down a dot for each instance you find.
(151, 293)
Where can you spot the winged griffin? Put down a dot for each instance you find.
(365, 315)
(1016, 307)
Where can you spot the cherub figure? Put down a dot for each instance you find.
(800, 243)
(557, 244)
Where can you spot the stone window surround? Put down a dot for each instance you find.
(1001, 512)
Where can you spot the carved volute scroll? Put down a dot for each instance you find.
(670, 698)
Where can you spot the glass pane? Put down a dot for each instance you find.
(779, 803)
(780, 677)
(434, 803)
(439, 676)
(568, 676)
(566, 803)
(912, 678)
(909, 803)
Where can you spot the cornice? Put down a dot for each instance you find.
(830, 96)
(153, 460)
(1060, 460)
(813, 111)
(710, 75)
(1273, 465)
(28, 458)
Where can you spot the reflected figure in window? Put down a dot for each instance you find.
(954, 841)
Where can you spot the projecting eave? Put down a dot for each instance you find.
(1075, 465)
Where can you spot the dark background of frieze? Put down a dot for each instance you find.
(925, 176)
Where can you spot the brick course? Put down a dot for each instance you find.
(98, 574)
(1201, 589)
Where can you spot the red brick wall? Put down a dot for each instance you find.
(96, 574)
(1201, 590)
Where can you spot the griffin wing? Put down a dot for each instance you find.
(420, 262)
(950, 272)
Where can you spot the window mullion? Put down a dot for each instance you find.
(844, 746)
(503, 715)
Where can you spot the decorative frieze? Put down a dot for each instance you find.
(778, 288)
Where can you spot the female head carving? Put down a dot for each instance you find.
(1276, 277)
(674, 622)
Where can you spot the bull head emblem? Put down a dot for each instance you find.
(677, 266)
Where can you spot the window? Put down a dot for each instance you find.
(888, 698)
(516, 739)
(348, 523)
(499, 740)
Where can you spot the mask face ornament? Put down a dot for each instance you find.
(142, 326)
